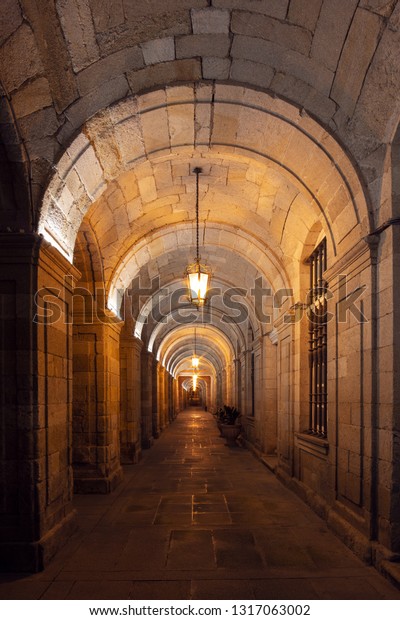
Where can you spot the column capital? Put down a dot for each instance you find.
(132, 342)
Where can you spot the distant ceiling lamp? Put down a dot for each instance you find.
(194, 381)
(195, 359)
(198, 275)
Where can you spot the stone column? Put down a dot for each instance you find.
(130, 431)
(147, 398)
(268, 412)
(96, 404)
(36, 515)
(285, 429)
(237, 386)
(155, 399)
(246, 379)
(392, 533)
(162, 395)
(220, 394)
(170, 398)
(177, 400)
(225, 396)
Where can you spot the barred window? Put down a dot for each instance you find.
(317, 325)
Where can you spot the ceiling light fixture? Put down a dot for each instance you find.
(198, 275)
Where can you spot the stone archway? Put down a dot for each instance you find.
(290, 158)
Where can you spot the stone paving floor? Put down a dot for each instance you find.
(199, 520)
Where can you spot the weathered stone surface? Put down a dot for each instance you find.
(155, 8)
(88, 167)
(202, 45)
(107, 14)
(10, 19)
(320, 105)
(215, 68)
(286, 61)
(109, 68)
(32, 98)
(304, 13)
(155, 130)
(84, 108)
(357, 54)
(181, 124)
(77, 23)
(42, 151)
(54, 55)
(39, 124)
(286, 35)
(150, 26)
(375, 117)
(331, 32)
(253, 72)
(274, 8)
(288, 85)
(147, 188)
(99, 130)
(257, 50)
(165, 73)
(159, 50)
(128, 135)
(15, 67)
(306, 95)
(210, 20)
(381, 7)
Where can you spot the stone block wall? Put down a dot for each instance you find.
(96, 406)
(36, 515)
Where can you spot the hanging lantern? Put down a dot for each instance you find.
(198, 275)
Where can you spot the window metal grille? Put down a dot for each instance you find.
(317, 352)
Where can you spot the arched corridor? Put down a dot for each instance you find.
(254, 146)
(197, 519)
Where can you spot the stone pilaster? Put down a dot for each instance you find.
(147, 398)
(36, 515)
(96, 404)
(155, 400)
(161, 399)
(285, 419)
(130, 430)
(268, 417)
(171, 399)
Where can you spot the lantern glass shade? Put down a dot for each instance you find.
(198, 283)
(195, 361)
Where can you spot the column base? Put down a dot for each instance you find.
(147, 443)
(97, 484)
(33, 557)
(131, 453)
